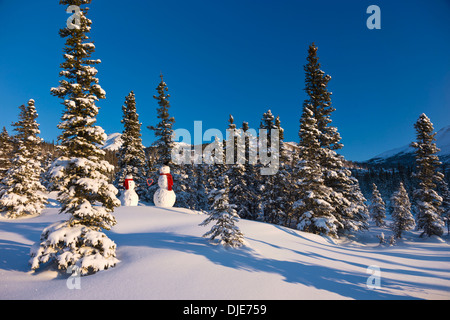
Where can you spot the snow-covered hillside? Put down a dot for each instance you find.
(163, 256)
(405, 154)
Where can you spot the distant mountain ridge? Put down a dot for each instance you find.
(405, 155)
(113, 142)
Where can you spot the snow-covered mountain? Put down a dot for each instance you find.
(405, 154)
(113, 142)
(163, 256)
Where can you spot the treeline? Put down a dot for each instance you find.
(388, 179)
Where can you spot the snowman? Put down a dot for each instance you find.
(129, 197)
(164, 197)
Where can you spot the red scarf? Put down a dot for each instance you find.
(169, 180)
(126, 183)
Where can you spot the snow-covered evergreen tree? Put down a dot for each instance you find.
(382, 238)
(269, 198)
(85, 192)
(312, 205)
(131, 154)
(427, 200)
(267, 122)
(401, 212)
(46, 177)
(319, 100)
(283, 188)
(276, 197)
(186, 188)
(377, 207)
(392, 240)
(164, 144)
(231, 124)
(252, 199)
(201, 185)
(225, 217)
(239, 195)
(163, 130)
(21, 191)
(445, 193)
(213, 157)
(322, 165)
(347, 199)
(6, 149)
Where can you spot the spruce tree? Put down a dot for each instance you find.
(231, 124)
(283, 189)
(347, 199)
(6, 149)
(377, 207)
(163, 130)
(223, 213)
(427, 200)
(46, 177)
(21, 191)
(164, 145)
(239, 194)
(252, 202)
(85, 192)
(312, 206)
(276, 189)
(267, 123)
(230, 144)
(213, 157)
(201, 184)
(319, 100)
(269, 204)
(401, 212)
(186, 187)
(131, 154)
(283, 151)
(445, 193)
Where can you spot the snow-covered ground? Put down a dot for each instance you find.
(163, 256)
(442, 142)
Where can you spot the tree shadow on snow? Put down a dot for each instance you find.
(14, 255)
(383, 254)
(347, 284)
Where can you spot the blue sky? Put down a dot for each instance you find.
(241, 57)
